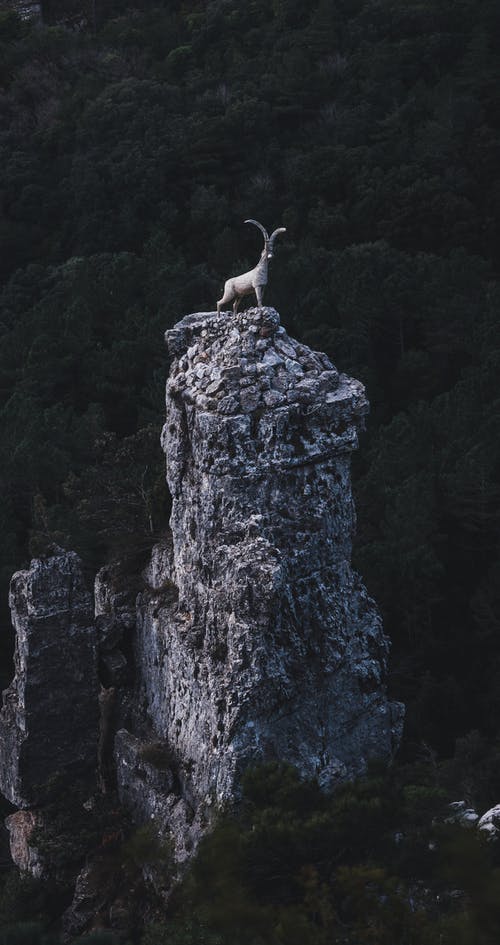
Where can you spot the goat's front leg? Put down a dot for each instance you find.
(259, 292)
(236, 303)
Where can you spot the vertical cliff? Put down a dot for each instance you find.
(49, 718)
(255, 639)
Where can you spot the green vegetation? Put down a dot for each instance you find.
(376, 862)
(132, 148)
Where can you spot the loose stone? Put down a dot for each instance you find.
(272, 358)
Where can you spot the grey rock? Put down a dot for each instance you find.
(150, 786)
(109, 632)
(115, 667)
(281, 381)
(273, 398)
(114, 602)
(152, 780)
(228, 404)
(462, 814)
(49, 718)
(231, 373)
(250, 398)
(203, 403)
(324, 360)
(114, 594)
(160, 564)
(489, 823)
(272, 358)
(285, 348)
(308, 385)
(294, 367)
(272, 647)
(328, 380)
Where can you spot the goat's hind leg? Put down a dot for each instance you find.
(228, 296)
(222, 302)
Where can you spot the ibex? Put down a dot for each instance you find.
(255, 280)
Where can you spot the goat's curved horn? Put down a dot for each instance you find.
(261, 228)
(281, 229)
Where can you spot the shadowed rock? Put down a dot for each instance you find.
(49, 718)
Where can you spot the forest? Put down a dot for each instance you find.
(135, 138)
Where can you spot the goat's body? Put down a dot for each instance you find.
(255, 280)
(238, 287)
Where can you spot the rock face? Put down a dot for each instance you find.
(255, 639)
(49, 718)
(489, 823)
(250, 639)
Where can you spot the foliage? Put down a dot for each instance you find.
(144, 847)
(375, 861)
(98, 938)
(26, 933)
(28, 910)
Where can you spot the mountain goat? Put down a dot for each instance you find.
(256, 279)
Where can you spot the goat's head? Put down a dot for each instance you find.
(268, 251)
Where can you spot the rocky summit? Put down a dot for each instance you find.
(255, 639)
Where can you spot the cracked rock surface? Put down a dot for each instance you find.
(255, 639)
(49, 718)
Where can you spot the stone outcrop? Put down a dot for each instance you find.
(25, 855)
(247, 638)
(49, 718)
(462, 814)
(489, 823)
(255, 639)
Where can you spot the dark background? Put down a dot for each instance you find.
(134, 140)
